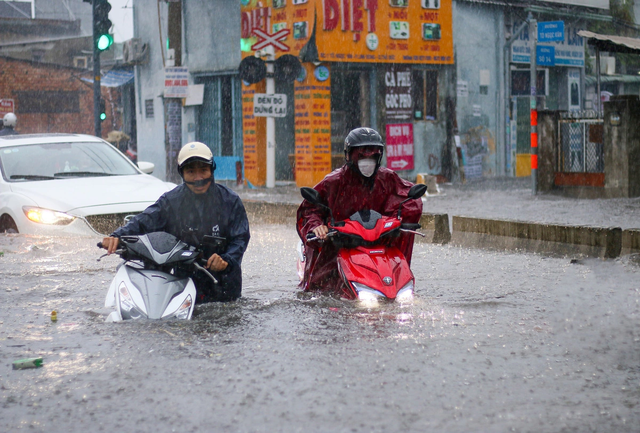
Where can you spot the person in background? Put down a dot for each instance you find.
(9, 122)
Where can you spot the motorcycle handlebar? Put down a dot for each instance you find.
(410, 226)
(413, 231)
(206, 271)
(312, 237)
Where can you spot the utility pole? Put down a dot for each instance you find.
(507, 100)
(533, 33)
(271, 121)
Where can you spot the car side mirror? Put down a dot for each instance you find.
(146, 167)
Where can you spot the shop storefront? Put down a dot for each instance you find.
(386, 64)
(560, 85)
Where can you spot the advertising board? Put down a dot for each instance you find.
(567, 52)
(370, 31)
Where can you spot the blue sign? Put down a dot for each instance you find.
(321, 73)
(551, 31)
(545, 55)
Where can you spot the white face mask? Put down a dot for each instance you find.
(367, 166)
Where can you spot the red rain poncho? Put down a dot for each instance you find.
(345, 191)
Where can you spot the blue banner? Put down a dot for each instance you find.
(546, 55)
(551, 31)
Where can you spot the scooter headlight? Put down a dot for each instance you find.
(183, 310)
(406, 293)
(127, 305)
(366, 293)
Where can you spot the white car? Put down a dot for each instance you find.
(70, 184)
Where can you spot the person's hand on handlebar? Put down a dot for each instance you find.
(110, 244)
(216, 263)
(321, 231)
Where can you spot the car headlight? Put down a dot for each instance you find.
(46, 216)
(406, 293)
(127, 305)
(366, 293)
(183, 310)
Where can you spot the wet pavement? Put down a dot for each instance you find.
(499, 198)
(493, 342)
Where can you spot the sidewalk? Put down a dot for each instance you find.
(502, 199)
(497, 213)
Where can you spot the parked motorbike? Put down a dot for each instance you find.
(370, 267)
(153, 281)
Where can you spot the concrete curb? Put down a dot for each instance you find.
(277, 213)
(492, 233)
(630, 241)
(270, 213)
(602, 242)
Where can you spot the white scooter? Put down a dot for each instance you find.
(151, 282)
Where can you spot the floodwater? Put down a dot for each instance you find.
(493, 342)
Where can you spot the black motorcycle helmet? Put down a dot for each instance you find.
(363, 137)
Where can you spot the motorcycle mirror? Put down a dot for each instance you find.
(313, 197)
(310, 195)
(417, 190)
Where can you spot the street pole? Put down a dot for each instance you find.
(598, 96)
(533, 33)
(271, 122)
(507, 99)
(96, 79)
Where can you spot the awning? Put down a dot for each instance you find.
(590, 80)
(614, 44)
(114, 78)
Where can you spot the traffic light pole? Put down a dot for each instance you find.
(96, 80)
(96, 93)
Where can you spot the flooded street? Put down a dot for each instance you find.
(493, 342)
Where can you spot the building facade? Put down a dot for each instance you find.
(493, 56)
(452, 73)
(49, 98)
(385, 65)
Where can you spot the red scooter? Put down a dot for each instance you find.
(371, 269)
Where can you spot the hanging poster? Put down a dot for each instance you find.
(397, 87)
(400, 146)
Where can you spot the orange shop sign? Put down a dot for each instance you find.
(270, 18)
(385, 31)
(374, 31)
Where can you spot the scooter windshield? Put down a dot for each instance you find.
(159, 247)
(367, 218)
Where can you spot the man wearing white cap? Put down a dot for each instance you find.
(198, 208)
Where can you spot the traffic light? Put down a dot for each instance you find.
(101, 25)
(103, 110)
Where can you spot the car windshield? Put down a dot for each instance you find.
(62, 161)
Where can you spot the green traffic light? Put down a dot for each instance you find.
(104, 42)
(103, 116)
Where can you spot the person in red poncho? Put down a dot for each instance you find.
(360, 184)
